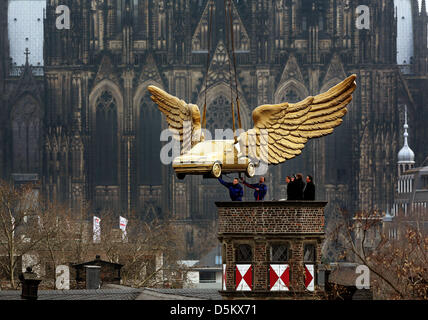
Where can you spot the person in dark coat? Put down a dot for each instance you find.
(290, 192)
(260, 188)
(236, 191)
(309, 193)
(299, 186)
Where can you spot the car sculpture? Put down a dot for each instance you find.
(212, 158)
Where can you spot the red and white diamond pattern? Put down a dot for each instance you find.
(244, 277)
(309, 277)
(279, 277)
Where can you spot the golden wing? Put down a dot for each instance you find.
(281, 131)
(183, 119)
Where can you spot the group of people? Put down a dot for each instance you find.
(296, 188)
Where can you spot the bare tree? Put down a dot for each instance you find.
(397, 260)
(62, 236)
(149, 252)
(18, 235)
(57, 235)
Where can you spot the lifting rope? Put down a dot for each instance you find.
(204, 117)
(228, 13)
(234, 64)
(230, 74)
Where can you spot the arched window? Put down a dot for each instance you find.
(120, 9)
(25, 137)
(219, 114)
(338, 151)
(136, 7)
(218, 117)
(106, 140)
(149, 143)
(303, 162)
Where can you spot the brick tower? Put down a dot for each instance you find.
(271, 250)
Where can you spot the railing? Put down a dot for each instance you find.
(405, 68)
(17, 71)
(207, 281)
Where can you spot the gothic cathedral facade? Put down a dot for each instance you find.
(86, 127)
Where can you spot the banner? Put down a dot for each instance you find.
(13, 227)
(279, 275)
(123, 223)
(309, 277)
(97, 229)
(244, 277)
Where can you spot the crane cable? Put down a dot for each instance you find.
(234, 64)
(204, 117)
(230, 15)
(230, 72)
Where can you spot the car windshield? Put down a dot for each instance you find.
(207, 147)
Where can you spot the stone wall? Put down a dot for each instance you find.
(262, 225)
(279, 217)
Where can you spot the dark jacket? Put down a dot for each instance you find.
(299, 187)
(258, 195)
(235, 191)
(290, 191)
(309, 193)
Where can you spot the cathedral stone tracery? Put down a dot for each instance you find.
(97, 132)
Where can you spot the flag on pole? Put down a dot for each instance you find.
(97, 229)
(13, 227)
(123, 222)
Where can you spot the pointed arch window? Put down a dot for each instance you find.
(302, 163)
(137, 8)
(149, 142)
(218, 117)
(106, 140)
(218, 114)
(120, 8)
(26, 122)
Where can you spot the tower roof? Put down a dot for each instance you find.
(387, 217)
(406, 155)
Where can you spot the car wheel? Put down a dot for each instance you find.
(251, 170)
(181, 176)
(216, 170)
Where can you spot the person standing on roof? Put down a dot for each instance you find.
(260, 189)
(236, 191)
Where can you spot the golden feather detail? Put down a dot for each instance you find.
(178, 113)
(289, 126)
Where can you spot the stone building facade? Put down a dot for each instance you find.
(92, 133)
(271, 250)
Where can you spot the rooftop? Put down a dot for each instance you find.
(180, 294)
(119, 293)
(101, 294)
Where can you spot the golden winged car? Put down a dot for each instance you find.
(279, 134)
(212, 158)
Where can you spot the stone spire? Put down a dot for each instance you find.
(406, 155)
(27, 55)
(424, 8)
